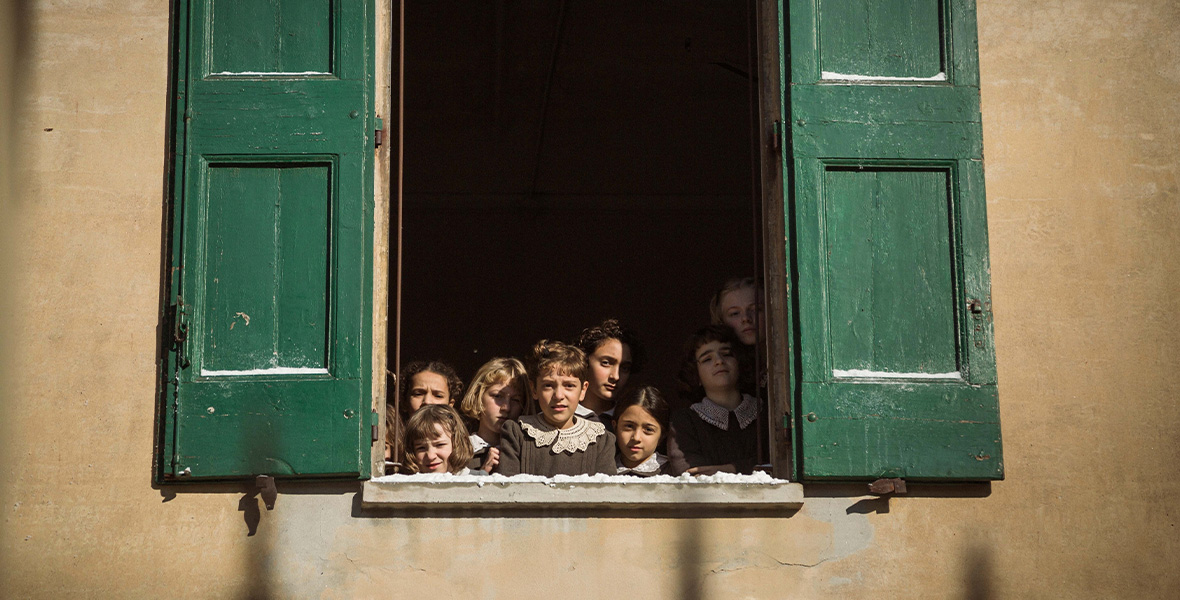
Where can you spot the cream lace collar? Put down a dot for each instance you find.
(573, 439)
(651, 466)
(718, 416)
(478, 443)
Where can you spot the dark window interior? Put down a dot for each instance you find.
(570, 161)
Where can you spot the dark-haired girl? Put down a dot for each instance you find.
(720, 432)
(640, 427)
(613, 353)
(422, 382)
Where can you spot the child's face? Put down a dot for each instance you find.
(432, 455)
(638, 433)
(717, 366)
(740, 311)
(428, 388)
(610, 366)
(501, 402)
(558, 397)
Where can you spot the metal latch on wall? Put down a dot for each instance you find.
(267, 489)
(881, 487)
(379, 134)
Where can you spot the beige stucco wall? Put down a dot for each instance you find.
(1082, 137)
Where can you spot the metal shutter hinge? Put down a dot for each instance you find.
(176, 314)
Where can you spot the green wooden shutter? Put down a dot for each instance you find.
(895, 330)
(272, 275)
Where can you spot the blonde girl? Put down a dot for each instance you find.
(736, 306)
(496, 395)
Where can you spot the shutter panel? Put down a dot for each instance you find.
(272, 273)
(897, 365)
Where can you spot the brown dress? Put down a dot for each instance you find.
(534, 447)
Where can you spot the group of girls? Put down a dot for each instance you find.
(562, 411)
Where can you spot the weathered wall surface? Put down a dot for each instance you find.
(1082, 137)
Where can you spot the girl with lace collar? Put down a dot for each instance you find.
(721, 432)
(640, 429)
(555, 441)
(495, 397)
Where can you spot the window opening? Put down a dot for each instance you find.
(567, 162)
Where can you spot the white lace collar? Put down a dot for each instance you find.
(718, 416)
(575, 438)
(478, 443)
(651, 466)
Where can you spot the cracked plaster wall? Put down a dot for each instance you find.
(1082, 128)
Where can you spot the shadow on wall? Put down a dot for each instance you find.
(14, 46)
(690, 562)
(259, 550)
(258, 578)
(977, 567)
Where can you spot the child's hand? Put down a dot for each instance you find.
(492, 460)
(711, 469)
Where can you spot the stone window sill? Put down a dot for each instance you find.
(491, 494)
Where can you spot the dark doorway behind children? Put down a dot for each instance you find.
(570, 161)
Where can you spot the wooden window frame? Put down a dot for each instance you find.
(779, 269)
(776, 299)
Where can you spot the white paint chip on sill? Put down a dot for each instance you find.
(267, 371)
(755, 478)
(489, 492)
(866, 374)
(830, 76)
